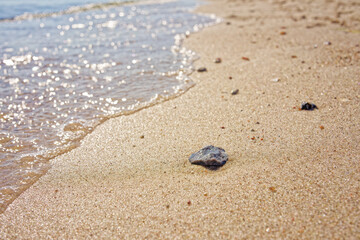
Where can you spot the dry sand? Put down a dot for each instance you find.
(287, 177)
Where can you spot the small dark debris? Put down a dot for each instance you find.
(142, 136)
(222, 127)
(327, 43)
(234, 92)
(228, 23)
(293, 56)
(283, 33)
(308, 106)
(202, 69)
(321, 127)
(257, 123)
(189, 202)
(246, 58)
(230, 77)
(253, 130)
(217, 60)
(168, 206)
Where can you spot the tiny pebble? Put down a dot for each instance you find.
(282, 33)
(275, 79)
(308, 106)
(327, 43)
(189, 202)
(234, 92)
(217, 60)
(142, 136)
(321, 127)
(246, 58)
(202, 69)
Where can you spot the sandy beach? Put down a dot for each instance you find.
(291, 174)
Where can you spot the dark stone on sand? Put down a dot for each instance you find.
(209, 156)
(217, 60)
(234, 92)
(308, 106)
(202, 69)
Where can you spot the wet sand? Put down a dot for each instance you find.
(291, 174)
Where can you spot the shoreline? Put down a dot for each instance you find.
(33, 162)
(286, 176)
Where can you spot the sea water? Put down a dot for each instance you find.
(68, 65)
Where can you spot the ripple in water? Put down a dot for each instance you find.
(64, 74)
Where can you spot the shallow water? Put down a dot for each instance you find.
(66, 71)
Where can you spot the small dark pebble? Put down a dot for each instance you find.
(283, 33)
(234, 92)
(246, 58)
(257, 123)
(327, 43)
(142, 136)
(308, 106)
(217, 60)
(253, 130)
(202, 69)
(189, 202)
(228, 23)
(230, 77)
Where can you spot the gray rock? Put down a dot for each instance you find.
(209, 156)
